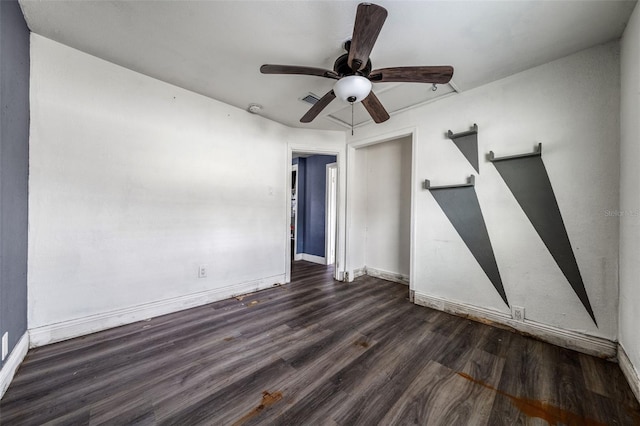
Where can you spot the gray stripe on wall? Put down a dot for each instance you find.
(529, 182)
(14, 170)
(461, 206)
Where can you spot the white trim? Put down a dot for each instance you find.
(581, 342)
(287, 213)
(52, 333)
(629, 371)
(386, 275)
(294, 167)
(313, 258)
(350, 172)
(359, 272)
(415, 193)
(12, 363)
(330, 198)
(384, 137)
(298, 256)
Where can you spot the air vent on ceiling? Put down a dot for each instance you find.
(310, 98)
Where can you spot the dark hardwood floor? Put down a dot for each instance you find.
(315, 352)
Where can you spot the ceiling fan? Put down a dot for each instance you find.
(353, 73)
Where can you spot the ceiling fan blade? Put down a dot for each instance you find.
(318, 107)
(369, 21)
(295, 69)
(375, 108)
(437, 74)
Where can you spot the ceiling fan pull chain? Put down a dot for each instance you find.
(351, 118)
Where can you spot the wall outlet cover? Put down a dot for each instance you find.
(202, 271)
(517, 313)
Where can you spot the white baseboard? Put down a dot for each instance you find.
(52, 333)
(359, 272)
(629, 371)
(592, 345)
(380, 273)
(313, 258)
(386, 275)
(12, 363)
(297, 256)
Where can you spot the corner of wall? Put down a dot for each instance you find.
(14, 171)
(629, 370)
(13, 362)
(629, 209)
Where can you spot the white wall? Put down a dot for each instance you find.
(357, 206)
(383, 193)
(134, 183)
(570, 105)
(389, 205)
(630, 190)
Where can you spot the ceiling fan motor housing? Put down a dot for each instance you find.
(342, 68)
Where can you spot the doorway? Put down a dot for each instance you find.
(380, 237)
(314, 205)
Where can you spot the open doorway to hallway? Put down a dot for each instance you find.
(313, 215)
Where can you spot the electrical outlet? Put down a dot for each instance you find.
(202, 271)
(5, 345)
(517, 313)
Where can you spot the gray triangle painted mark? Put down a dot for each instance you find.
(460, 205)
(467, 143)
(528, 180)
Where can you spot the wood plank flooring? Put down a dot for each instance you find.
(315, 352)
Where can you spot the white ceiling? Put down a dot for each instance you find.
(215, 48)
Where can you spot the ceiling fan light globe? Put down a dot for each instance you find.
(352, 87)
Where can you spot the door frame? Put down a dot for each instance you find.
(331, 213)
(339, 267)
(294, 167)
(415, 188)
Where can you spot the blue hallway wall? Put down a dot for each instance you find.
(311, 203)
